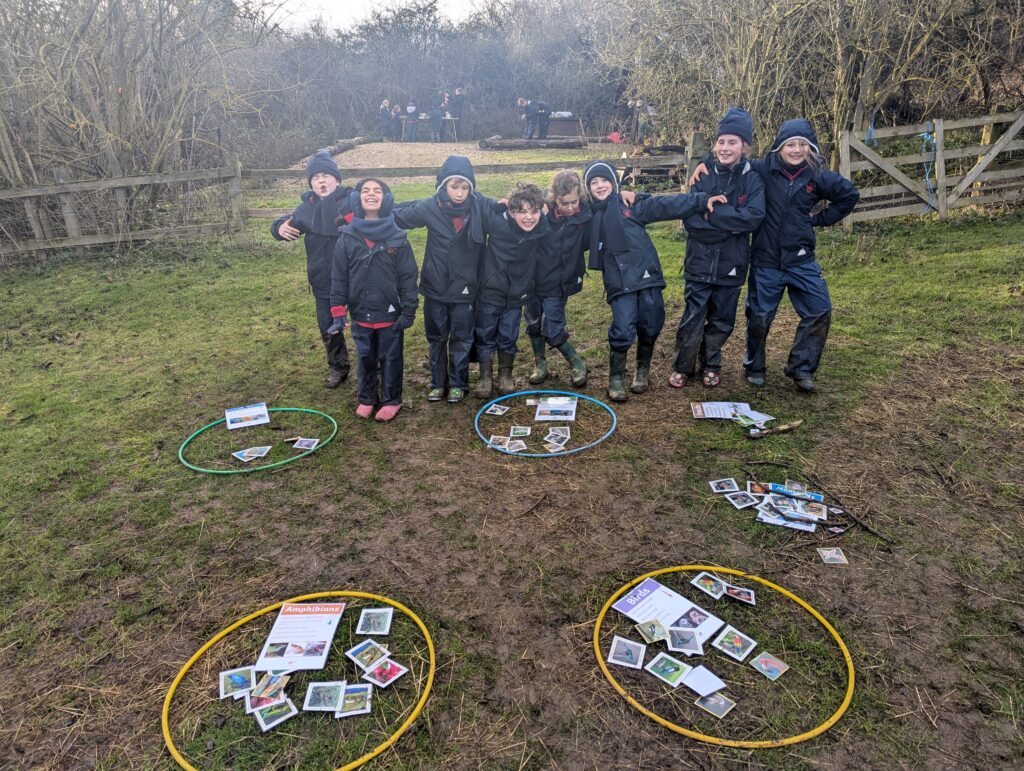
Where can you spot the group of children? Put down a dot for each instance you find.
(488, 264)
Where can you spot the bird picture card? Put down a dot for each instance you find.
(709, 584)
(626, 653)
(667, 669)
(733, 643)
(768, 665)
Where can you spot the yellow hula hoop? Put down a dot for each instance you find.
(715, 739)
(165, 713)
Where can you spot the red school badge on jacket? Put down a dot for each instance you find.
(627, 212)
(809, 187)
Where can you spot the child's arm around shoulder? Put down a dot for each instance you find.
(410, 214)
(660, 208)
(745, 215)
(841, 194)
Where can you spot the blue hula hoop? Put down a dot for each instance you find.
(598, 402)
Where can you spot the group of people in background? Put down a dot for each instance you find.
(489, 264)
(535, 116)
(397, 123)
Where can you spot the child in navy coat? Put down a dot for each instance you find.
(315, 218)
(454, 219)
(373, 281)
(718, 251)
(633, 282)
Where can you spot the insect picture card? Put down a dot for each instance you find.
(561, 430)
(742, 500)
(515, 445)
(733, 643)
(703, 681)
(357, 700)
(626, 653)
(741, 594)
(243, 455)
(718, 704)
(499, 441)
(709, 584)
(324, 697)
(553, 447)
(685, 641)
(496, 409)
(375, 621)
(756, 488)
(768, 665)
(258, 452)
(652, 631)
(796, 487)
(367, 653)
(833, 556)
(305, 444)
(384, 673)
(519, 431)
(727, 485)
(667, 669)
(274, 715)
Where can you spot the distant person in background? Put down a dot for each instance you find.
(411, 119)
(384, 114)
(437, 120)
(527, 114)
(396, 123)
(543, 116)
(457, 104)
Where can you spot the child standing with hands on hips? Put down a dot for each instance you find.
(633, 282)
(373, 281)
(718, 251)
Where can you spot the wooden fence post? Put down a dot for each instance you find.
(695, 153)
(67, 208)
(940, 168)
(234, 176)
(844, 169)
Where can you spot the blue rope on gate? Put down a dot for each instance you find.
(869, 135)
(928, 145)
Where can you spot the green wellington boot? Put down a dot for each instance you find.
(506, 384)
(642, 376)
(485, 387)
(540, 370)
(579, 369)
(616, 373)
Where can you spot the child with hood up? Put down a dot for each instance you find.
(373, 282)
(454, 219)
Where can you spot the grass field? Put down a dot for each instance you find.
(117, 563)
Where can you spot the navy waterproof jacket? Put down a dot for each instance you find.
(451, 260)
(560, 262)
(786, 236)
(639, 267)
(377, 283)
(317, 218)
(509, 266)
(718, 244)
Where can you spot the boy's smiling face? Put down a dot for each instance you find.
(458, 190)
(728, 149)
(601, 188)
(323, 184)
(526, 218)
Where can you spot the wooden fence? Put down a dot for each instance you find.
(229, 213)
(953, 166)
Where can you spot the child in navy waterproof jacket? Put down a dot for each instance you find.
(507, 277)
(633, 282)
(315, 218)
(454, 219)
(718, 251)
(782, 253)
(560, 271)
(373, 282)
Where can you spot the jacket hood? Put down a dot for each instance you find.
(457, 167)
(791, 129)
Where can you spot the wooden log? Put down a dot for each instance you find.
(341, 146)
(568, 143)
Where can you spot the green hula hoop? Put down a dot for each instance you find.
(201, 470)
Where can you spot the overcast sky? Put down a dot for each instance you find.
(343, 14)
